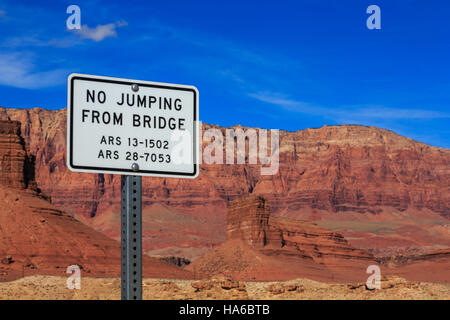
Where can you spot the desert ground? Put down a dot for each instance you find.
(53, 287)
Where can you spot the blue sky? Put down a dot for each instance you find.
(272, 64)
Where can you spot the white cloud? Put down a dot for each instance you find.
(397, 113)
(17, 70)
(355, 113)
(23, 41)
(286, 103)
(97, 34)
(100, 32)
(36, 41)
(280, 100)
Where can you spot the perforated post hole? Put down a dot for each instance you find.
(131, 237)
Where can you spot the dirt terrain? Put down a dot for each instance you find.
(51, 287)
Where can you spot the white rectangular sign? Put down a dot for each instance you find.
(123, 126)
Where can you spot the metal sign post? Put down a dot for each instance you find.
(131, 235)
(134, 128)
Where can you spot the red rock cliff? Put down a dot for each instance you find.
(352, 173)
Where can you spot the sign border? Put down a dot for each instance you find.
(87, 169)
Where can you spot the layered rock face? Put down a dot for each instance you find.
(249, 220)
(16, 165)
(332, 174)
(338, 168)
(351, 169)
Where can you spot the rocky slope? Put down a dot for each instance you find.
(38, 238)
(383, 192)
